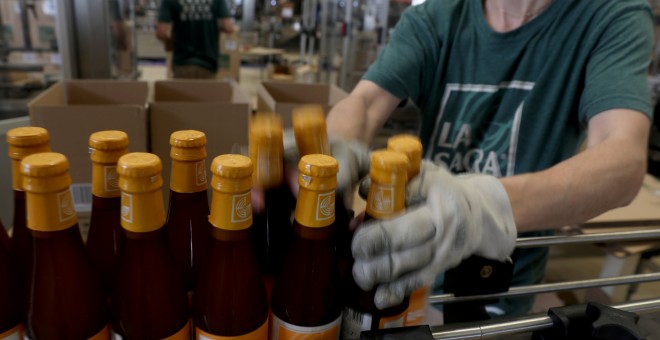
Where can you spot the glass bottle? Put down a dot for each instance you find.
(4, 238)
(23, 141)
(149, 300)
(387, 198)
(10, 315)
(411, 147)
(65, 298)
(187, 225)
(230, 297)
(306, 303)
(311, 135)
(272, 228)
(104, 238)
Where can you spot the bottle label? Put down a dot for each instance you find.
(188, 177)
(386, 201)
(51, 211)
(110, 179)
(315, 209)
(260, 333)
(142, 212)
(105, 180)
(416, 313)
(240, 206)
(15, 333)
(283, 330)
(104, 334)
(355, 322)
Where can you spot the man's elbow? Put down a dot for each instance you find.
(634, 181)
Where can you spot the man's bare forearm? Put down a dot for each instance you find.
(607, 175)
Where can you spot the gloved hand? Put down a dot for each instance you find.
(352, 156)
(449, 218)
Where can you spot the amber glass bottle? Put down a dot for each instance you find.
(188, 227)
(23, 142)
(387, 199)
(306, 303)
(4, 239)
(311, 135)
(411, 147)
(272, 228)
(65, 298)
(148, 300)
(230, 297)
(104, 239)
(10, 315)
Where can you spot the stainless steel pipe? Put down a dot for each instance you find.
(619, 236)
(550, 287)
(523, 325)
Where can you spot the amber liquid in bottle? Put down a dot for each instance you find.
(21, 239)
(386, 200)
(149, 300)
(10, 315)
(105, 233)
(272, 227)
(230, 297)
(65, 299)
(187, 220)
(306, 303)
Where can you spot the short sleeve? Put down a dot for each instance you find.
(165, 14)
(400, 68)
(616, 73)
(222, 10)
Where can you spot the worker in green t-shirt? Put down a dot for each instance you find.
(191, 28)
(508, 91)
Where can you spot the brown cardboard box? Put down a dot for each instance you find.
(11, 23)
(282, 97)
(229, 63)
(220, 109)
(74, 109)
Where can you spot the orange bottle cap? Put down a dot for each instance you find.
(318, 172)
(45, 172)
(25, 141)
(231, 207)
(389, 167)
(310, 130)
(139, 172)
(232, 166)
(266, 149)
(188, 145)
(410, 146)
(107, 146)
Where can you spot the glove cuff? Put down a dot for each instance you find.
(499, 234)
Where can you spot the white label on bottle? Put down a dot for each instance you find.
(111, 183)
(200, 169)
(241, 208)
(383, 200)
(127, 207)
(282, 330)
(66, 209)
(325, 206)
(354, 323)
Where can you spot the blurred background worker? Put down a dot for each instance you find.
(191, 28)
(508, 90)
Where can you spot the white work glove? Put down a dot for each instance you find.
(448, 219)
(352, 157)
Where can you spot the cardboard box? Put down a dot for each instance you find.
(12, 27)
(220, 109)
(283, 97)
(72, 110)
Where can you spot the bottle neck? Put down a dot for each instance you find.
(315, 209)
(17, 177)
(188, 176)
(268, 166)
(386, 200)
(105, 180)
(231, 211)
(50, 211)
(142, 212)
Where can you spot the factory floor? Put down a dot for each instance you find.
(567, 263)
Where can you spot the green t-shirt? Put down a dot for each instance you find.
(194, 30)
(516, 102)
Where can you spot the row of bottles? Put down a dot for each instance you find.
(132, 242)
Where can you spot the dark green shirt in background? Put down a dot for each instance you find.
(195, 30)
(516, 102)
